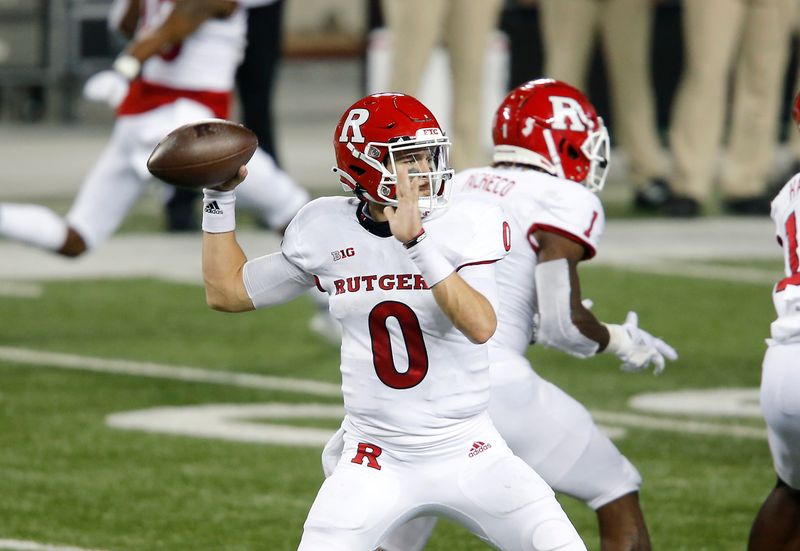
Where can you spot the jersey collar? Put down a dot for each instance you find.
(381, 229)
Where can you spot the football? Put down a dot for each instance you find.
(202, 154)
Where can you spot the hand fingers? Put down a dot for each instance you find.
(666, 350)
(632, 319)
(403, 184)
(658, 362)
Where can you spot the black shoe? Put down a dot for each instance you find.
(653, 195)
(681, 206)
(747, 206)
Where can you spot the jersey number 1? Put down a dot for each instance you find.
(382, 357)
(794, 264)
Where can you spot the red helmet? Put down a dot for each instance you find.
(379, 130)
(551, 125)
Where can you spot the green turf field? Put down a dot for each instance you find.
(67, 478)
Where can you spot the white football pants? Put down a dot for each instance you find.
(780, 403)
(554, 434)
(474, 479)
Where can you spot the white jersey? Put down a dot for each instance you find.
(206, 60)
(409, 377)
(786, 293)
(531, 200)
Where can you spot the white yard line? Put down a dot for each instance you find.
(677, 425)
(38, 358)
(19, 545)
(248, 380)
(20, 290)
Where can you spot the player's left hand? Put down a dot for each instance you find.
(638, 348)
(405, 220)
(106, 86)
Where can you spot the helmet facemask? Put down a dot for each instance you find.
(427, 159)
(597, 149)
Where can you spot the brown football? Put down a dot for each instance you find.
(202, 154)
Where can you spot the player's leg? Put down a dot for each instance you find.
(711, 30)
(416, 27)
(411, 536)
(777, 525)
(269, 191)
(110, 190)
(364, 495)
(757, 92)
(556, 435)
(468, 34)
(627, 33)
(34, 225)
(506, 502)
(569, 32)
(104, 198)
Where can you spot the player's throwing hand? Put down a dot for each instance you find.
(405, 220)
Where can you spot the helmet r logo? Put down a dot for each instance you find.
(354, 121)
(565, 109)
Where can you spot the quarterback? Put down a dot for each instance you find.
(777, 525)
(179, 68)
(551, 153)
(412, 282)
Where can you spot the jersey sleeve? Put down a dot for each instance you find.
(573, 212)
(485, 235)
(298, 239)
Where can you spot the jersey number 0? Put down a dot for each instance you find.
(382, 357)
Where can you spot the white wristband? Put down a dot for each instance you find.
(219, 212)
(430, 261)
(128, 66)
(619, 341)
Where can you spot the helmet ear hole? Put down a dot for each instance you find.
(565, 147)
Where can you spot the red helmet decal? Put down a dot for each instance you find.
(378, 131)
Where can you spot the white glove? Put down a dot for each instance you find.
(636, 347)
(106, 86)
(111, 86)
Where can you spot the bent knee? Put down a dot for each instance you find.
(74, 245)
(556, 535)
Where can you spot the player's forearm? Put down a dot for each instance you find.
(589, 325)
(124, 16)
(184, 19)
(223, 262)
(469, 310)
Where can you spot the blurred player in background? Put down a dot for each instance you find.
(777, 525)
(551, 153)
(179, 68)
(255, 79)
(416, 302)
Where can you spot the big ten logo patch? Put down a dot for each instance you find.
(370, 452)
(343, 253)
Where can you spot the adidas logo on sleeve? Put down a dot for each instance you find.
(213, 208)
